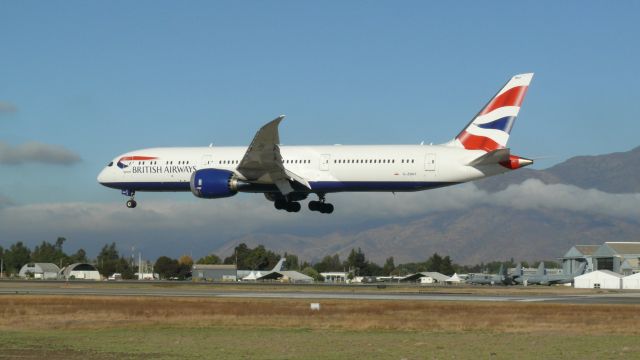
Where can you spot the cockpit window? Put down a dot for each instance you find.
(110, 164)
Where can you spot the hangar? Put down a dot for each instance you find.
(214, 272)
(619, 257)
(576, 255)
(599, 279)
(45, 271)
(81, 271)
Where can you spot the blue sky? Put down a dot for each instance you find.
(102, 78)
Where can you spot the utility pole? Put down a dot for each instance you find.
(1, 268)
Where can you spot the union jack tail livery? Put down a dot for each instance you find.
(489, 130)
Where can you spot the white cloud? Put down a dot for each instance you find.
(35, 152)
(202, 225)
(534, 194)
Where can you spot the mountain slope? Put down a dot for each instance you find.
(613, 173)
(469, 237)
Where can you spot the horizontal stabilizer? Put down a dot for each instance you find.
(492, 157)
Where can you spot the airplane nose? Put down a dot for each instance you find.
(102, 176)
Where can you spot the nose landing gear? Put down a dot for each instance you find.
(131, 203)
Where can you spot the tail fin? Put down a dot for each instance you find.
(490, 128)
(540, 269)
(581, 268)
(279, 265)
(519, 271)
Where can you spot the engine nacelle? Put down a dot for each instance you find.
(213, 183)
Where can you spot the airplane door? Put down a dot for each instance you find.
(430, 162)
(324, 162)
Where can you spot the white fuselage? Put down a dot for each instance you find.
(327, 168)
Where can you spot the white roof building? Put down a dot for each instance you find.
(80, 271)
(430, 277)
(599, 279)
(45, 271)
(631, 281)
(250, 277)
(287, 276)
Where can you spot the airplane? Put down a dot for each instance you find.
(501, 278)
(241, 274)
(287, 175)
(542, 278)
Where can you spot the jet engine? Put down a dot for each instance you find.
(213, 183)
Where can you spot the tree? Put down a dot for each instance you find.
(434, 262)
(389, 266)
(329, 263)
(124, 268)
(50, 253)
(446, 267)
(309, 271)
(372, 269)
(79, 257)
(166, 267)
(356, 262)
(108, 260)
(16, 257)
(253, 259)
(185, 260)
(211, 259)
(291, 262)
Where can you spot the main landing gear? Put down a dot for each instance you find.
(289, 206)
(320, 205)
(291, 203)
(131, 203)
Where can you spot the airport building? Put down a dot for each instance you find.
(599, 279)
(80, 271)
(426, 278)
(619, 257)
(335, 276)
(631, 281)
(577, 255)
(44, 271)
(214, 272)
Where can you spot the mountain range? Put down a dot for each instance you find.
(486, 232)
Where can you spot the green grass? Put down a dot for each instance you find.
(213, 342)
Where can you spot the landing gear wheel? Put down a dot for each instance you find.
(293, 206)
(326, 208)
(320, 205)
(131, 204)
(280, 204)
(315, 205)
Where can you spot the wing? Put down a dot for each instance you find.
(263, 162)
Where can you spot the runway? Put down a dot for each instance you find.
(353, 293)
